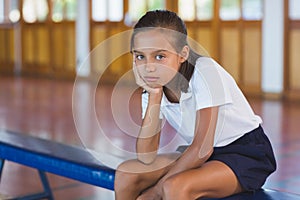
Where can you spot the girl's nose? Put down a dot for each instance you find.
(150, 67)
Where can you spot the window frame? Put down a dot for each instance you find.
(7, 8)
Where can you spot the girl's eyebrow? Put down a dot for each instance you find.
(154, 52)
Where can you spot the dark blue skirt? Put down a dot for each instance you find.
(250, 157)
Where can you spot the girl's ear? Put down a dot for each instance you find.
(184, 54)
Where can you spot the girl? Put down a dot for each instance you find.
(227, 149)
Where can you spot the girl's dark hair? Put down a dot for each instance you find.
(169, 20)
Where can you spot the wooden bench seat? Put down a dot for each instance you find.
(49, 156)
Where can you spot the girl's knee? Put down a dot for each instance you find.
(127, 184)
(176, 188)
(123, 179)
(173, 187)
(168, 187)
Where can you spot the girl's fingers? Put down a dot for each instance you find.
(151, 90)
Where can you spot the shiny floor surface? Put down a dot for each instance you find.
(106, 118)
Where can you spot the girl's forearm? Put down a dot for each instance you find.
(149, 136)
(147, 149)
(148, 142)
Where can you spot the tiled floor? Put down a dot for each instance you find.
(43, 108)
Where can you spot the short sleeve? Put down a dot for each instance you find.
(209, 84)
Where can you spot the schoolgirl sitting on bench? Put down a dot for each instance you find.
(227, 152)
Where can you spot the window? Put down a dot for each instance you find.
(294, 9)
(230, 10)
(35, 10)
(186, 10)
(99, 10)
(156, 4)
(2, 15)
(252, 9)
(138, 7)
(190, 10)
(205, 9)
(111, 10)
(9, 11)
(63, 10)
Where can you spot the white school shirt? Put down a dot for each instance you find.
(209, 86)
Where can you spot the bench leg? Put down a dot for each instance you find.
(46, 194)
(46, 185)
(1, 167)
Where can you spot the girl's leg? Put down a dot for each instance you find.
(133, 177)
(212, 180)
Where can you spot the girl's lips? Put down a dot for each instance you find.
(151, 78)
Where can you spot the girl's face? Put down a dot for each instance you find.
(156, 60)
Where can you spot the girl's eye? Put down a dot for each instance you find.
(159, 57)
(139, 57)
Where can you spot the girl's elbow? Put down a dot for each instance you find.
(205, 154)
(147, 158)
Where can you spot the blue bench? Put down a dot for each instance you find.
(78, 164)
(49, 156)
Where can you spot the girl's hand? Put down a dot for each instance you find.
(139, 80)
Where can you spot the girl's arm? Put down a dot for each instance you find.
(202, 146)
(148, 139)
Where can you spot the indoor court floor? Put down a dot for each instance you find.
(43, 108)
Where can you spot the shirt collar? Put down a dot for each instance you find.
(184, 96)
